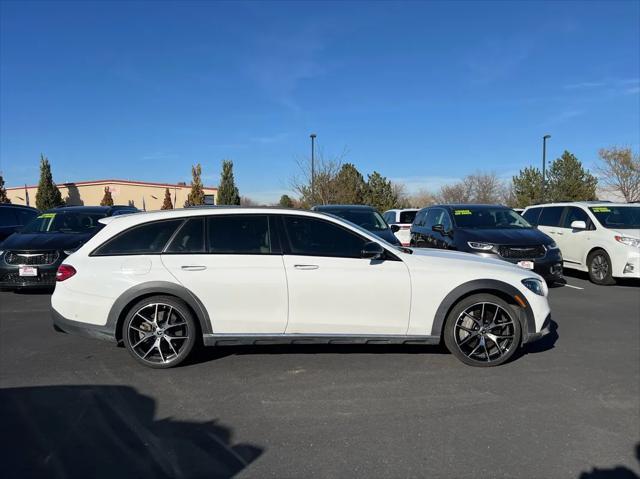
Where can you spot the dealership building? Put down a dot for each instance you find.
(141, 194)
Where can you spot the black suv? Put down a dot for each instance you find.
(14, 217)
(366, 217)
(487, 230)
(31, 256)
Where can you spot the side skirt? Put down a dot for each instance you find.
(258, 339)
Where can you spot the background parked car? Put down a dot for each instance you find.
(403, 219)
(599, 237)
(31, 256)
(13, 217)
(490, 231)
(364, 216)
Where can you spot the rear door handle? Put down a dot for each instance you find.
(306, 266)
(194, 267)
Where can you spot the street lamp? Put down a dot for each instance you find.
(544, 164)
(313, 165)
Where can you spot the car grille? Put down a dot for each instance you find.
(43, 278)
(31, 259)
(522, 252)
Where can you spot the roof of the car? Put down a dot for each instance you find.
(11, 205)
(341, 207)
(580, 203)
(90, 209)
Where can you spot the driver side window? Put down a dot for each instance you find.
(314, 237)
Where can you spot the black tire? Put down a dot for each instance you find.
(161, 326)
(600, 268)
(482, 330)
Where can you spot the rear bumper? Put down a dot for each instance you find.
(62, 324)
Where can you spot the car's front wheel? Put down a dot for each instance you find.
(600, 268)
(482, 330)
(159, 331)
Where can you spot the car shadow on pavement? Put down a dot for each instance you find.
(618, 472)
(211, 354)
(109, 432)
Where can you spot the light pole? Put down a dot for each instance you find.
(313, 165)
(544, 164)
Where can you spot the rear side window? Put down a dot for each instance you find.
(551, 216)
(148, 238)
(7, 217)
(532, 215)
(239, 234)
(314, 237)
(189, 238)
(407, 216)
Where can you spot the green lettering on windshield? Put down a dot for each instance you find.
(461, 212)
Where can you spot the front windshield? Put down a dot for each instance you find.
(64, 222)
(368, 219)
(618, 217)
(487, 218)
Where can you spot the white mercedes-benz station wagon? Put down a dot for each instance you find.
(162, 282)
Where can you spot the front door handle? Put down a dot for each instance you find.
(306, 266)
(193, 267)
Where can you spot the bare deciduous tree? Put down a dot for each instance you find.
(421, 199)
(620, 171)
(325, 188)
(476, 188)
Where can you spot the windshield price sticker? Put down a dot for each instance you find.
(47, 215)
(601, 209)
(462, 212)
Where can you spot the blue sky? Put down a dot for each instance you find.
(424, 92)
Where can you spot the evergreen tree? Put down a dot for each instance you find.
(196, 196)
(285, 202)
(167, 204)
(3, 192)
(380, 192)
(350, 186)
(228, 193)
(527, 187)
(569, 181)
(107, 199)
(48, 195)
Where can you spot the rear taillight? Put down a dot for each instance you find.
(65, 272)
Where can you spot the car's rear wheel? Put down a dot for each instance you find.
(482, 330)
(600, 269)
(159, 331)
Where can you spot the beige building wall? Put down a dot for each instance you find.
(142, 195)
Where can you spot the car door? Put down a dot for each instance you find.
(574, 243)
(233, 264)
(333, 290)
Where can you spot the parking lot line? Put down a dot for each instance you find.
(574, 287)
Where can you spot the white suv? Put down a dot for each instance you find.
(403, 220)
(161, 282)
(599, 237)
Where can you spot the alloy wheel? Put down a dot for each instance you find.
(599, 267)
(157, 333)
(484, 332)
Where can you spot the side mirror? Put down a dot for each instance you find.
(578, 225)
(439, 228)
(394, 228)
(372, 250)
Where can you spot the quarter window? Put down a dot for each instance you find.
(314, 237)
(239, 234)
(189, 239)
(551, 216)
(148, 238)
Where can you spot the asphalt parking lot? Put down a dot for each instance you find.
(568, 407)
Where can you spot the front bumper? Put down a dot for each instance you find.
(544, 330)
(62, 324)
(549, 266)
(10, 276)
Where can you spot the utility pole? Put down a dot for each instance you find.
(544, 166)
(313, 166)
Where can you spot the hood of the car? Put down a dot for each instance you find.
(44, 241)
(503, 236)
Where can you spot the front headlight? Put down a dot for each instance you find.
(480, 246)
(628, 240)
(535, 285)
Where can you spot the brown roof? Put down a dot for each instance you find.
(125, 182)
